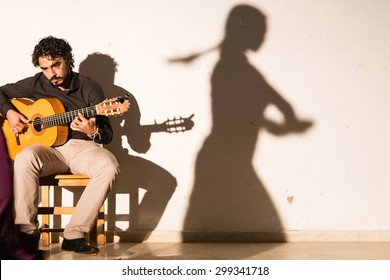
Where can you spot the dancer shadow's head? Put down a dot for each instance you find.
(245, 28)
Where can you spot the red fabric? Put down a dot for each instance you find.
(10, 243)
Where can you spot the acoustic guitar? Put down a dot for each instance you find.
(48, 121)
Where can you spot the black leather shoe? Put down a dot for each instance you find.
(79, 246)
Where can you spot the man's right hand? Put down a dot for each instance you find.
(17, 122)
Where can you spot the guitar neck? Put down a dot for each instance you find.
(171, 125)
(149, 128)
(66, 117)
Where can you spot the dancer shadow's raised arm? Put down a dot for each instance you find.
(291, 123)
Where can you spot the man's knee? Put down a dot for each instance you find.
(113, 170)
(107, 168)
(28, 157)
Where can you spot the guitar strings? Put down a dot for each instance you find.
(66, 117)
(62, 118)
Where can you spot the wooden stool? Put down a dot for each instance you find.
(97, 234)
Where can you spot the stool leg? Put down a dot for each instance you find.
(93, 236)
(45, 217)
(96, 235)
(101, 240)
(111, 216)
(56, 219)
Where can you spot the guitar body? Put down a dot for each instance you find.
(51, 136)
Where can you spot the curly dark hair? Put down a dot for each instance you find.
(54, 48)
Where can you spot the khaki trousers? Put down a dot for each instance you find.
(76, 156)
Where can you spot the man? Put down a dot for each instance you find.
(82, 153)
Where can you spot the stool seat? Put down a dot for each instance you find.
(65, 180)
(47, 208)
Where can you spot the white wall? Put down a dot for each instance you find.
(328, 59)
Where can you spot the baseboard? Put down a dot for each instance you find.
(272, 236)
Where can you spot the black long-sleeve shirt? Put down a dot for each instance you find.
(83, 92)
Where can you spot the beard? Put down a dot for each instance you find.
(57, 81)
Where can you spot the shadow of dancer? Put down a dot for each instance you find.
(136, 172)
(228, 196)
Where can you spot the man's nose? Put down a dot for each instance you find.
(52, 72)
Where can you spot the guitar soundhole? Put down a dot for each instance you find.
(37, 124)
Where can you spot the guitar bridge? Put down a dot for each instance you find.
(17, 138)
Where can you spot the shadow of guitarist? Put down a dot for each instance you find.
(136, 172)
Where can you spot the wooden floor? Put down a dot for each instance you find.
(229, 251)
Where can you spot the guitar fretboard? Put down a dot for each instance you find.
(63, 118)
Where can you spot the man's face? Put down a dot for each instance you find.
(55, 70)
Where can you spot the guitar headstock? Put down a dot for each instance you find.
(114, 106)
(178, 124)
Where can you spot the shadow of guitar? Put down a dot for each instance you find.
(174, 125)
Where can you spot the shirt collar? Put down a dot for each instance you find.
(75, 83)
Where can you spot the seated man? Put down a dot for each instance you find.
(82, 153)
